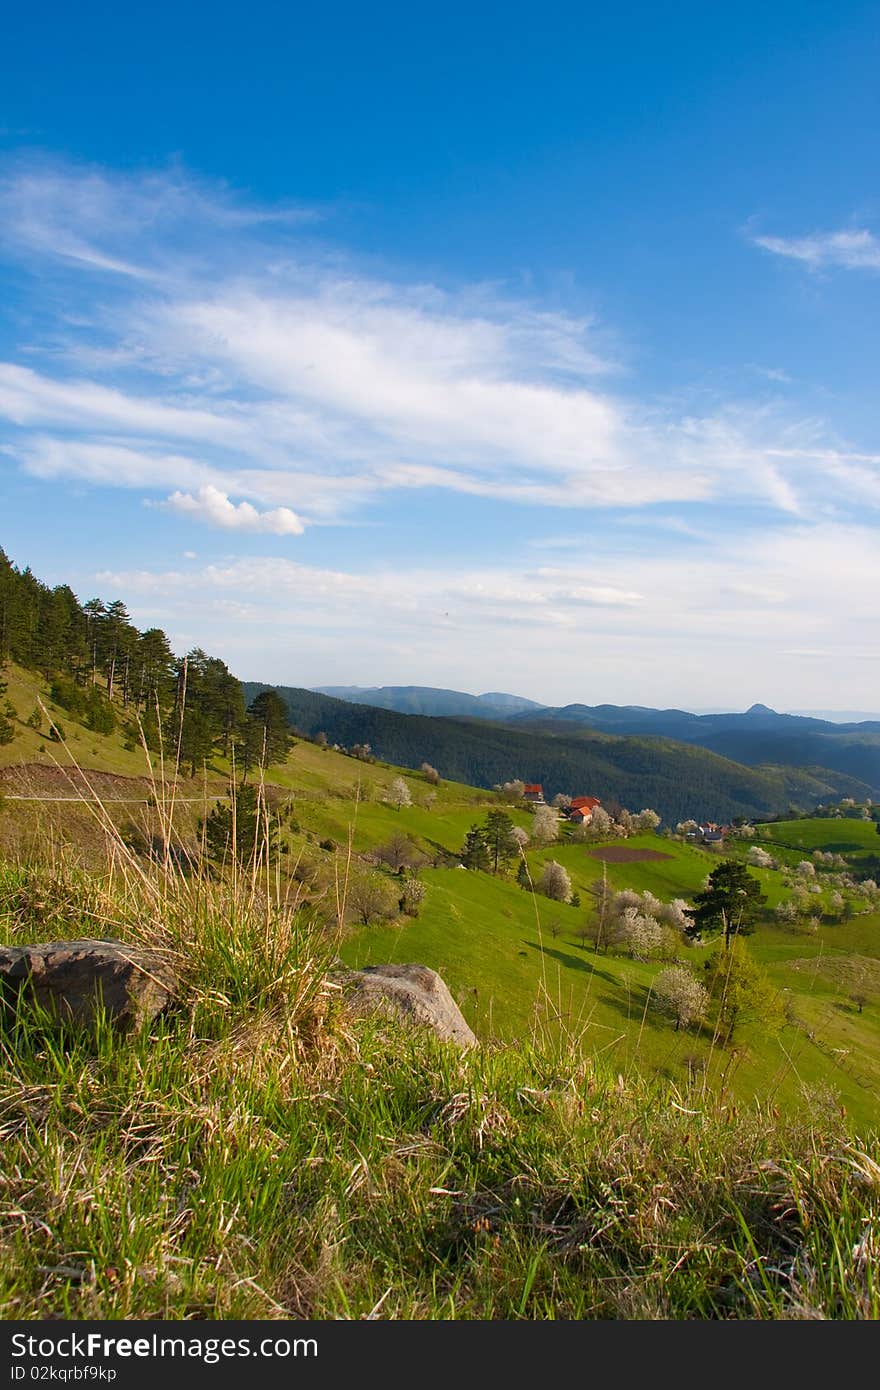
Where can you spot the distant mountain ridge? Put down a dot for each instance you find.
(432, 701)
(758, 737)
(676, 779)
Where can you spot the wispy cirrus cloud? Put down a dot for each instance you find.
(850, 249)
(228, 357)
(125, 225)
(287, 377)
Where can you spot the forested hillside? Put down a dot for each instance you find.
(105, 672)
(756, 737)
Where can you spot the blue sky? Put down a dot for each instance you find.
(495, 346)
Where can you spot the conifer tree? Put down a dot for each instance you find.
(475, 851)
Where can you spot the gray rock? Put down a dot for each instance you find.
(409, 992)
(70, 978)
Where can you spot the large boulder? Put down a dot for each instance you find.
(409, 992)
(70, 979)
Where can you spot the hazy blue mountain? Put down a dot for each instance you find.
(757, 737)
(426, 699)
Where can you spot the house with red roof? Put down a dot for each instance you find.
(581, 809)
(534, 791)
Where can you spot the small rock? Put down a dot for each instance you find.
(409, 992)
(71, 978)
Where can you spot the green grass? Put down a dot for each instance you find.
(105, 752)
(258, 1154)
(519, 968)
(857, 840)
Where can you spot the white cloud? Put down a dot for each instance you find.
(301, 382)
(28, 398)
(117, 224)
(856, 249)
(212, 506)
(106, 464)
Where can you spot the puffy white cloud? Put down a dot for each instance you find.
(212, 506)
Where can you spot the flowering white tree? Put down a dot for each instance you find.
(545, 826)
(413, 895)
(800, 900)
(679, 993)
(513, 791)
(646, 820)
(678, 914)
(555, 882)
(399, 794)
(642, 936)
(521, 836)
(760, 859)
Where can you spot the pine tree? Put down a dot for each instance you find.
(475, 851)
(731, 902)
(267, 736)
(241, 828)
(500, 839)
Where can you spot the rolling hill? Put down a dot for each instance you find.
(516, 963)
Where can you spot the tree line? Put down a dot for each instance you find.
(102, 669)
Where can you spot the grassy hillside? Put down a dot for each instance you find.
(519, 967)
(260, 1154)
(857, 840)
